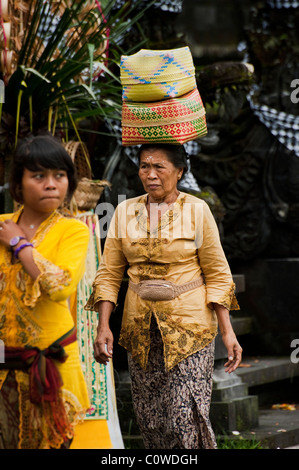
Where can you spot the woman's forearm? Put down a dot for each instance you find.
(229, 338)
(26, 258)
(105, 308)
(223, 317)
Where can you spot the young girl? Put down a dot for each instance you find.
(42, 258)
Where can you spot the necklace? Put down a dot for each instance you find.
(31, 226)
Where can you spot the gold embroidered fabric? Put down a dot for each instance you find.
(36, 313)
(183, 245)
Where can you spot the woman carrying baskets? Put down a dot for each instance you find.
(180, 290)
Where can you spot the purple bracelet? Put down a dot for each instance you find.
(16, 252)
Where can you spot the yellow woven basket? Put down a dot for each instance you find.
(151, 75)
(89, 192)
(79, 154)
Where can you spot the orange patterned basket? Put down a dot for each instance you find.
(176, 120)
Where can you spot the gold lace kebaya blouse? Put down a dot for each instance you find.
(183, 245)
(36, 313)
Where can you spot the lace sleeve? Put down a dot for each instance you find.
(52, 279)
(61, 268)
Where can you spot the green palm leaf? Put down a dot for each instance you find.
(61, 54)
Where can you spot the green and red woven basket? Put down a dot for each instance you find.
(176, 120)
(177, 115)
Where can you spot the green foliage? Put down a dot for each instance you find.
(226, 442)
(67, 68)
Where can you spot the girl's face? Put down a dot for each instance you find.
(44, 191)
(158, 175)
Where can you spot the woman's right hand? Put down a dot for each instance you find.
(103, 345)
(8, 230)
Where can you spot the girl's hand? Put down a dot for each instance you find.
(8, 230)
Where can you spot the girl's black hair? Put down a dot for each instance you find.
(36, 153)
(176, 153)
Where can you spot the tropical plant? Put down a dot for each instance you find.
(59, 63)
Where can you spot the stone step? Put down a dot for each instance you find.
(232, 408)
(237, 414)
(236, 403)
(276, 429)
(275, 380)
(266, 369)
(236, 397)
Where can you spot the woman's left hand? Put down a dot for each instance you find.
(234, 351)
(8, 230)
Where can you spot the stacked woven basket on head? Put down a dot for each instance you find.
(161, 102)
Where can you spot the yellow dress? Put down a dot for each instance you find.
(183, 245)
(36, 313)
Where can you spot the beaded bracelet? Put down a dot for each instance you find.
(16, 252)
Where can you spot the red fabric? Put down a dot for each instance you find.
(44, 377)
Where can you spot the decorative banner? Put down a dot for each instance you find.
(101, 428)
(285, 127)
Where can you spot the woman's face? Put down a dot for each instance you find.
(44, 190)
(158, 175)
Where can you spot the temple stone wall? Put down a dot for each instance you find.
(214, 29)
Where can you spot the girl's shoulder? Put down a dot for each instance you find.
(5, 216)
(71, 223)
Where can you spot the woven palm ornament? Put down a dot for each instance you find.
(176, 120)
(157, 75)
(88, 191)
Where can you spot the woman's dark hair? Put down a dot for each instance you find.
(36, 153)
(176, 153)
